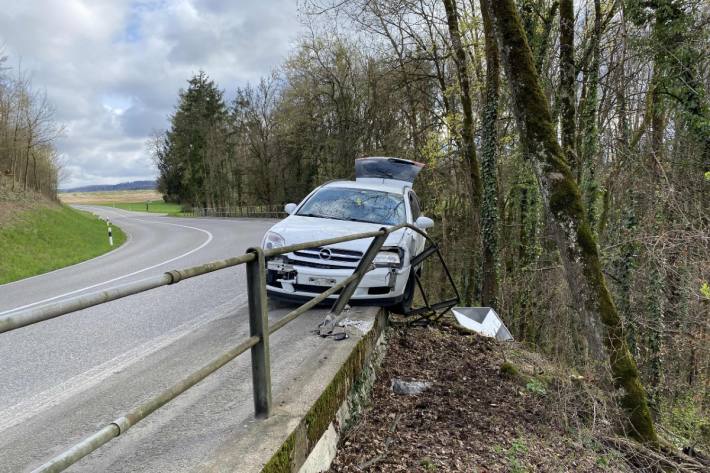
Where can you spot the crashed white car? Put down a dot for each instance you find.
(380, 196)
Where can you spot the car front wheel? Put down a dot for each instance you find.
(405, 305)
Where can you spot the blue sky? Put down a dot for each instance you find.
(112, 69)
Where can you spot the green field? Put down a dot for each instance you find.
(51, 237)
(157, 206)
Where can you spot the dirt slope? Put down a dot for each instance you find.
(474, 418)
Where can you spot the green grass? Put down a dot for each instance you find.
(157, 206)
(48, 238)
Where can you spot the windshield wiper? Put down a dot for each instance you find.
(312, 215)
(359, 220)
(322, 216)
(338, 218)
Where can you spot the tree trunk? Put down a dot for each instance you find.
(27, 162)
(561, 195)
(36, 183)
(467, 135)
(588, 141)
(545, 40)
(567, 83)
(469, 149)
(489, 131)
(658, 123)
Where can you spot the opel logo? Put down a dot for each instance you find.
(324, 253)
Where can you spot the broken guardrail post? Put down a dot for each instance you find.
(333, 317)
(259, 327)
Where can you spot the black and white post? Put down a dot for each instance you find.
(110, 235)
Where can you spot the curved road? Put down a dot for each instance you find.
(152, 243)
(64, 378)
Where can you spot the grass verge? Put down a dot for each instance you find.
(156, 206)
(51, 237)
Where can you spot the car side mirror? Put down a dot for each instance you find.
(424, 222)
(290, 208)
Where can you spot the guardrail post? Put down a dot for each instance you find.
(362, 267)
(259, 326)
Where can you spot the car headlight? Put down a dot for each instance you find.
(387, 258)
(273, 240)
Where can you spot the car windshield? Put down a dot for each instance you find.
(355, 205)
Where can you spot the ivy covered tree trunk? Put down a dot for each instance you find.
(656, 329)
(627, 266)
(577, 244)
(567, 95)
(467, 137)
(588, 132)
(574, 147)
(489, 139)
(677, 75)
(538, 27)
(528, 251)
(461, 62)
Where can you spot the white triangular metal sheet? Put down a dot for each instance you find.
(482, 320)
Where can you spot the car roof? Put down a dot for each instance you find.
(375, 186)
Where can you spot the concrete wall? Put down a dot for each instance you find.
(328, 392)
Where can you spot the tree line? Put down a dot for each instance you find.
(28, 158)
(567, 147)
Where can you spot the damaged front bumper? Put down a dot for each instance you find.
(288, 280)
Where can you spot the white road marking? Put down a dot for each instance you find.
(58, 394)
(205, 243)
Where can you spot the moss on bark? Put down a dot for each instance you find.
(567, 92)
(489, 138)
(578, 246)
(461, 61)
(467, 132)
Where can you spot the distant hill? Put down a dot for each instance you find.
(124, 186)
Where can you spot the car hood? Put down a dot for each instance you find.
(296, 229)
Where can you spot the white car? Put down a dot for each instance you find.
(380, 196)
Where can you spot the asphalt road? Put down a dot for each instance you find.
(64, 378)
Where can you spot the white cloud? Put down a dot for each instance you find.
(112, 69)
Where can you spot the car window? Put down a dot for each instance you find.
(356, 205)
(414, 205)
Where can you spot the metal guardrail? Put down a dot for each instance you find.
(259, 329)
(251, 211)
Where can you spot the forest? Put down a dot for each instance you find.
(29, 161)
(567, 152)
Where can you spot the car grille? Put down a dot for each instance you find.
(312, 257)
(313, 264)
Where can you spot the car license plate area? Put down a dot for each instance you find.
(277, 265)
(321, 281)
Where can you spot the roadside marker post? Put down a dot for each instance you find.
(110, 235)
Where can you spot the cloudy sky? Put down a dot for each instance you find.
(112, 69)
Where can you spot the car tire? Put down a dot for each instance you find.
(404, 307)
